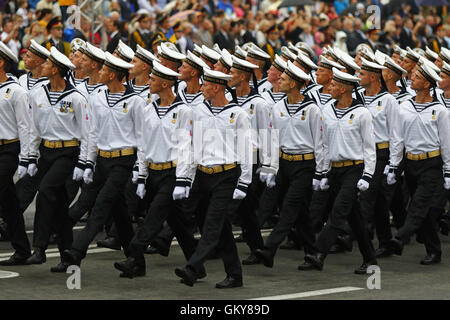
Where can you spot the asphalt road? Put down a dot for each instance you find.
(400, 278)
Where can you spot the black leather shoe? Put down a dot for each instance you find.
(110, 243)
(363, 268)
(290, 245)
(266, 256)
(15, 260)
(131, 267)
(38, 257)
(305, 266)
(346, 242)
(151, 250)
(61, 267)
(251, 260)
(383, 252)
(316, 260)
(229, 282)
(431, 259)
(163, 249)
(444, 225)
(200, 274)
(187, 275)
(396, 246)
(71, 257)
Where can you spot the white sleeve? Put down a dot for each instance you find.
(21, 108)
(316, 125)
(92, 137)
(184, 138)
(444, 137)
(263, 126)
(392, 108)
(35, 134)
(80, 109)
(245, 150)
(141, 162)
(396, 145)
(369, 148)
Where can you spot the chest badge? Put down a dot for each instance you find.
(148, 98)
(232, 117)
(252, 108)
(174, 118)
(7, 93)
(433, 115)
(303, 115)
(125, 110)
(352, 116)
(282, 114)
(65, 106)
(379, 106)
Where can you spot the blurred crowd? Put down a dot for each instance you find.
(268, 23)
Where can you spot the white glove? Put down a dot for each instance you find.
(362, 185)
(77, 174)
(324, 184)
(316, 184)
(135, 177)
(446, 183)
(238, 194)
(21, 171)
(386, 170)
(270, 180)
(140, 191)
(32, 169)
(391, 178)
(180, 193)
(263, 177)
(88, 176)
(188, 189)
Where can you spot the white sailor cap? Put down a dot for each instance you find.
(380, 57)
(306, 49)
(93, 52)
(419, 51)
(303, 60)
(170, 45)
(446, 68)
(76, 44)
(344, 78)
(428, 73)
(7, 54)
(216, 77)
(329, 64)
(163, 72)
(145, 55)
(363, 45)
(169, 54)
(411, 54)
(116, 63)
(403, 53)
(210, 55)
(371, 66)
(59, 59)
(445, 54)
(197, 50)
(288, 54)
(332, 54)
(243, 65)
(217, 48)
(226, 59)
(296, 73)
(397, 49)
(430, 54)
(346, 60)
(293, 48)
(247, 46)
(258, 54)
(195, 62)
(325, 51)
(423, 60)
(390, 64)
(367, 53)
(279, 63)
(124, 52)
(38, 50)
(240, 53)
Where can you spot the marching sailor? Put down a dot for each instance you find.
(143, 62)
(349, 146)
(113, 136)
(221, 140)
(190, 72)
(422, 129)
(34, 59)
(225, 62)
(56, 135)
(260, 58)
(14, 148)
(298, 120)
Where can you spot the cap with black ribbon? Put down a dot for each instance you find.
(163, 72)
(76, 44)
(210, 55)
(296, 74)
(258, 54)
(38, 50)
(240, 53)
(170, 54)
(226, 59)
(329, 64)
(431, 55)
(347, 61)
(288, 54)
(446, 68)
(305, 62)
(93, 53)
(348, 80)
(7, 54)
(412, 55)
(145, 55)
(116, 63)
(124, 52)
(60, 60)
(195, 62)
(216, 77)
(445, 55)
(279, 63)
(306, 49)
(197, 50)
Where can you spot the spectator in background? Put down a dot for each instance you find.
(307, 36)
(263, 26)
(356, 37)
(235, 32)
(340, 5)
(406, 36)
(10, 35)
(223, 37)
(237, 8)
(114, 30)
(389, 37)
(227, 7)
(249, 30)
(204, 36)
(23, 12)
(55, 29)
(45, 16)
(35, 32)
(447, 34)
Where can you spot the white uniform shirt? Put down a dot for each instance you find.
(28, 83)
(14, 115)
(114, 127)
(312, 91)
(402, 95)
(272, 97)
(263, 85)
(419, 131)
(350, 137)
(61, 121)
(300, 132)
(191, 100)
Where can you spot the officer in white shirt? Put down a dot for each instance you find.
(349, 144)
(422, 129)
(298, 120)
(223, 171)
(14, 147)
(166, 126)
(55, 138)
(113, 136)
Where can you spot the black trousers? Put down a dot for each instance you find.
(110, 177)
(218, 190)
(9, 160)
(297, 176)
(343, 189)
(425, 180)
(55, 166)
(246, 212)
(162, 207)
(269, 203)
(85, 201)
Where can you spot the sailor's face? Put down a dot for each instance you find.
(364, 76)
(185, 71)
(208, 89)
(444, 84)
(335, 89)
(47, 67)
(273, 75)
(418, 82)
(285, 82)
(155, 84)
(439, 62)
(323, 75)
